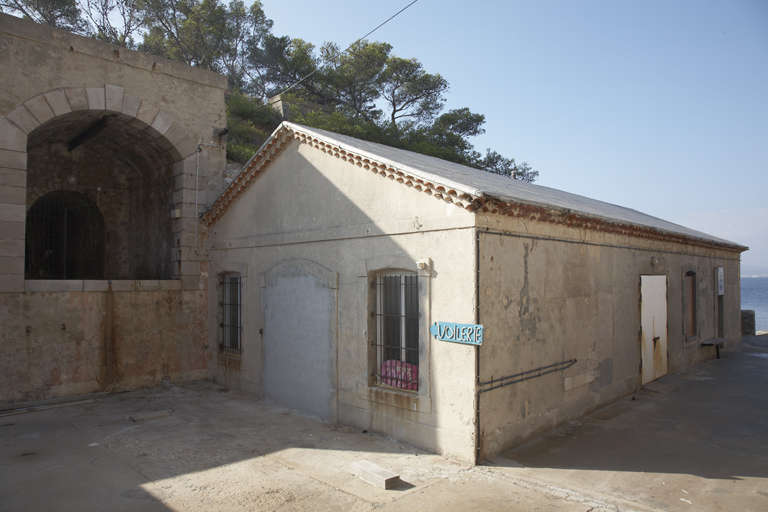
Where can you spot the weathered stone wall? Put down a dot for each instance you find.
(563, 294)
(71, 342)
(138, 135)
(160, 114)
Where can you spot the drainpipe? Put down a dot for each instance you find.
(477, 347)
(197, 187)
(109, 339)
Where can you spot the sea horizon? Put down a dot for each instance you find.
(754, 296)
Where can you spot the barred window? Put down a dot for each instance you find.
(232, 321)
(397, 331)
(65, 238)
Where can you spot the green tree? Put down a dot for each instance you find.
(62, 14)
(249, 124)
(115, 21)
(350, 79)
(247, 27)
(281, 62)
(190, 31)
(411, 94)
(497, 164)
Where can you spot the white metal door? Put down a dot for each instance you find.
(653, 325)
(298, 352)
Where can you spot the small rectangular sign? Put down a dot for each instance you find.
(720, 281)
(469, 334)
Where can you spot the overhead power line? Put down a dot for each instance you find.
(352, 44)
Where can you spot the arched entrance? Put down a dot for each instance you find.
(125, 171)
(123, 154)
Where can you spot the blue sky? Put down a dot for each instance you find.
(655, 105)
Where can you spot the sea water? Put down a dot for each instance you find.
(754, 296)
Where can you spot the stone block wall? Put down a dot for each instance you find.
(135, 135)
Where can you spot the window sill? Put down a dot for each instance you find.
(231, 362)
(236, 353)
(394, 397)
(101, 285)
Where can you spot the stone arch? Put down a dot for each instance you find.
(173, 151)
(109, 99)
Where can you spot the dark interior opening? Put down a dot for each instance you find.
(115, 169)
(65, 238)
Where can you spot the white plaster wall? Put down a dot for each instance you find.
(311, 206)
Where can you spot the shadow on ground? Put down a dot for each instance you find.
(696, 439)
(703, 431)
(193, 447)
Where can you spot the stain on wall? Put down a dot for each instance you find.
(55, 344)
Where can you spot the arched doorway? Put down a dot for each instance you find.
(125, 174)
(65, 238)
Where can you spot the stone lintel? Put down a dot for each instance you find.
(12, 230)
(77, 97)
(13, 212)
(96, 98)
(13, 195)
(13, 177)
(23, 119)
(113, 95)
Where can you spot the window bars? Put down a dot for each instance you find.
(64, 238)
(397, 331)
(232, 323)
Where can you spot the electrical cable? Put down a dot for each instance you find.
(351, 45)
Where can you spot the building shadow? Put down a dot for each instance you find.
(708, 421)
(140, 450)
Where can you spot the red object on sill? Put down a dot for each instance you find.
(400, 375)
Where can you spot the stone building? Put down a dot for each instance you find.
(340, 265)
(104, 157)
(450, 308)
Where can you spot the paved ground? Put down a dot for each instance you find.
(695, 441)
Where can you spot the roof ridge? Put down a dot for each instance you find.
(274, 145)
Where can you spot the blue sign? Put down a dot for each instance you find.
(458, 333)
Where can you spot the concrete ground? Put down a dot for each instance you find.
(695, 441)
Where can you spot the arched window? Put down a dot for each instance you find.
(65, 238)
